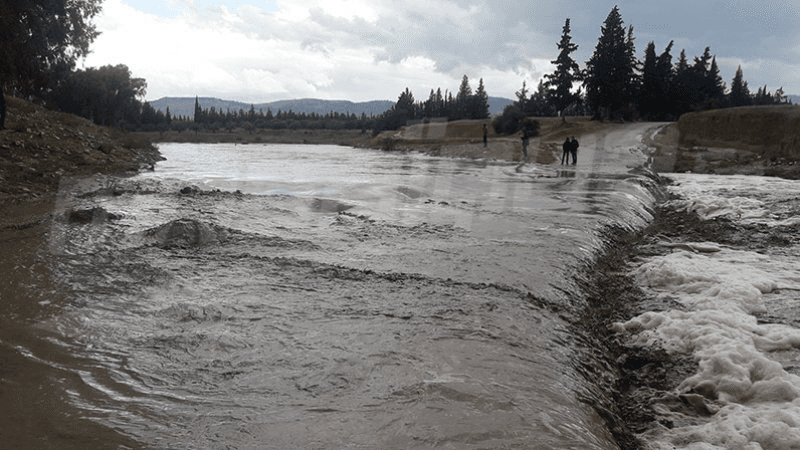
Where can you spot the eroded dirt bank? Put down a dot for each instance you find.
(754, 140)
(39, 146)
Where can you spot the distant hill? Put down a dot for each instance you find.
(795, 99)
(496, 104)
(184, 106)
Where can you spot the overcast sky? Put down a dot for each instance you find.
(264, 50)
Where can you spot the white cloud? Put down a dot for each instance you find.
(373, 49)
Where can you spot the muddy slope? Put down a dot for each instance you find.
(754, 140)
(39, 146)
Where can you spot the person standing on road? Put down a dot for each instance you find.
(566, 151)
(525, 144)
(485, 135)
(573, 148)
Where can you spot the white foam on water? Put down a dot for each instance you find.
(720, 292)
(766, 426)
(743, 198)
(749, 398)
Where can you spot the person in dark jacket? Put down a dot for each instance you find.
(566, 151)
(573, 149)
(525, 144)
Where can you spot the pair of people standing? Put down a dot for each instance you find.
(570, 148)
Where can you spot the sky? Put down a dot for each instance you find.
(258, 51)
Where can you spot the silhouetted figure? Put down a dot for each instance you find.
(485, 135)
(566, 151)
(573, 148)
(2, 110)
(525, 144)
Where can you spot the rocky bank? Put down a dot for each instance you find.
(39, 146)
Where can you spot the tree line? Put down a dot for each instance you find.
(616, 84)
(464, 105)
(214, 119)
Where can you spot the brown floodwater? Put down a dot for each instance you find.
(295, 296)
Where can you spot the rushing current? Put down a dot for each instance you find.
(300, 296)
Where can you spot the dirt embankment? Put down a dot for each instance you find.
(755, 140)
(464, 138)
(38, 147)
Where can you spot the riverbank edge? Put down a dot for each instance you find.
(39, 146)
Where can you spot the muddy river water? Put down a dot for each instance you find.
(298, 296)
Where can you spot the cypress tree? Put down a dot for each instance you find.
(463, 99)
(559, 83)
(715, 86)
(650, 94)
(610, 72)
(480, 108)
(682, 92)
(198, 112)
(665, 77)
(522, 97)
(740, 93)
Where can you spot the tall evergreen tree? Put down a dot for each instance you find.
(715, 86)
(522, 97)
(610, 72)
(683, 93)
(405, 102)
(650, 94)
(634, 82)
(740, 93)
(480, 102)
(463, 99)
(702, 81)
(665, 75)
(559, 83)
(198, 111)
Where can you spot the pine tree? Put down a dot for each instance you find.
(480, 102)
(559, 83)
(522, 97)
(463, 99)
(715, 86)
(740, 93)
(682, 93)
(649, 96)
(198, 112)
(665, 76)
(699, 80)
(610, 72)
(634, 82)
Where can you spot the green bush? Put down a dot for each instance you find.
(513, 120)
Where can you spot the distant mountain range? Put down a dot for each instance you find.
(184, 106)
(795, 99)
